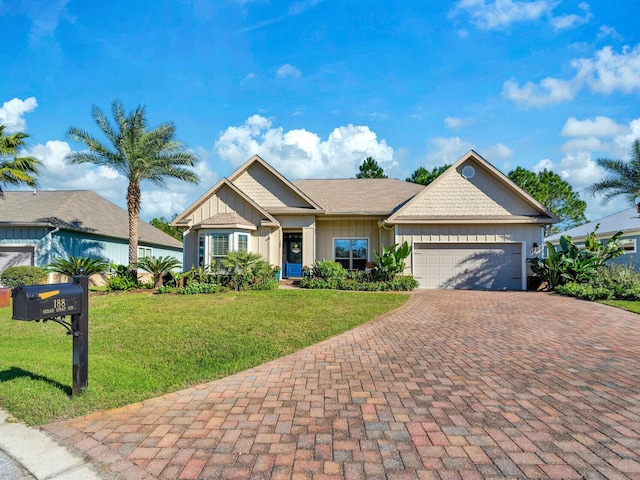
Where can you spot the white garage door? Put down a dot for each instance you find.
(469, 266)
(15, 257)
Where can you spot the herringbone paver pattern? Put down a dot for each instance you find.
(454, 385)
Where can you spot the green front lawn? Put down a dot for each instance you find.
(143, 345)
(624, 304)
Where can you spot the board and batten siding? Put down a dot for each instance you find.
(328, 230)
(267, 190)
(226, 201)
(471, 233)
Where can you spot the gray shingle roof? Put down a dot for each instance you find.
(626, 220)
(79, 210)
(367, 196)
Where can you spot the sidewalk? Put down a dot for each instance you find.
(41, 456)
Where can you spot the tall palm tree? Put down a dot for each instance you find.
(624, 177)
(15, 170)
(136, 153)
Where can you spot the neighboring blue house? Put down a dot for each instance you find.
(626, 220)
(39, 226)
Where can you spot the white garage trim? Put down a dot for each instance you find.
(477, 265)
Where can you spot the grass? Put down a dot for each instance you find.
(143, 345)
(629, 305)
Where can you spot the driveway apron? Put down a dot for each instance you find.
(453, 385)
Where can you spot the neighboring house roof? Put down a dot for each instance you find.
(361, 196)
(76, 210)
(627, 220)
(483, 194)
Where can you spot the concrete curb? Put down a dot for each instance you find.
(40, 455)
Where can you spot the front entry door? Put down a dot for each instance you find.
(292, 254)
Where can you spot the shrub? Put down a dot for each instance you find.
(585, 291)
(23, 275)
(121, 278)
(328, 270)
(71, 266)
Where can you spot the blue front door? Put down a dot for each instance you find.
(292, 254)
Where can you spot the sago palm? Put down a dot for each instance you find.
(624, 178)
(15, 170)
(158, 267)
(136, 153)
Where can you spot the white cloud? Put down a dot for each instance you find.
(501, 13)
(592, 138)
(12, 112)
(606, 31)
(564, 22)
(598, 127)
(303, 154)
(549, 92)
(498, 151)
(448, 150)
(609, 71)
(288, 71)
(455, 123)
(606, 72)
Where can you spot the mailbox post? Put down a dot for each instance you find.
(53, 303)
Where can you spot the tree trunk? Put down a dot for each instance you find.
(133, 207)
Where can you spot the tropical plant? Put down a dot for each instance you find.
(423, 176)
(567, 262)
(624, 177)
(122, 277)
(390, 262)
(370, 169)
(553, 192)
(158, 267)
(23, 275)
(136, 153)
(73, 265)
(246, 268)
(15, 170)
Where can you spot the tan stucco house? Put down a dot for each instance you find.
(471, 228)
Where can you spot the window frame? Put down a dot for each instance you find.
(351, 257)
(144, 251)
(634, 245)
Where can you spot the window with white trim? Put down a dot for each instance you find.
(351, 253)
(214, 246)
(145, 252)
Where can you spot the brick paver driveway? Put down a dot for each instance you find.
(455, 384)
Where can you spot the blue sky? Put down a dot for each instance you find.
(316, 86)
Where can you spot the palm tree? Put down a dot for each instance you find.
(158, 267)
(136, 153)
(16, 170)
(624, 178)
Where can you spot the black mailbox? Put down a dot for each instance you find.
(37, 302)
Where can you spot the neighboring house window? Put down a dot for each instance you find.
(214, 246)
(629, 245)
(351, 253)
(145, 252)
